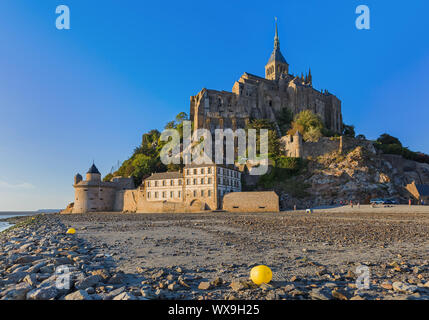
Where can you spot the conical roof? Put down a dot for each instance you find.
(93, 169)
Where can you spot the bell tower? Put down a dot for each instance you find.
(277, 64)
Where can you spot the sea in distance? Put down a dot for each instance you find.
(10, 214)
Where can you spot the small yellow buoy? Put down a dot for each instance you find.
(71, 231)
(261, 274)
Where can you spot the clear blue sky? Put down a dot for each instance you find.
(72, 96)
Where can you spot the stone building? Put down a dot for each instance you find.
(95, 195)
(254, 97)
(164, 186)
(195, 189)
(258, 201)
(205, 184)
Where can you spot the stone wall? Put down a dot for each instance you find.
(264, 201)
(126, 200)
(296, 147)
(170, 207)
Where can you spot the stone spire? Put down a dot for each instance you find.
(276, 38)
(277, 64)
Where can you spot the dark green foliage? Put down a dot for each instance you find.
(108, 177)
(282, 176)
(391, 145)
(388, 139)
(361, 137)
(284, 120)
(329, 133)
(348, 131)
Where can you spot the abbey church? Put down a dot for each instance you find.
(254, 97)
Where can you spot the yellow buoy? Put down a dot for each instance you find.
(71, 231)
(261, 274)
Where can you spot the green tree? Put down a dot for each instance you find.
(348, 130)
(388, 139)
(108, 177)
(361, 137)
(309, 124)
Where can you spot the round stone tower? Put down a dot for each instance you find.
(92, 194)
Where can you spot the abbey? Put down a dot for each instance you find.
(254, 97)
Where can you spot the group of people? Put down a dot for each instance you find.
(421, 202)
(349, 203)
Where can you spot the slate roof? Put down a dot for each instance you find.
(93, 169)
(423, 189)
(276, 55)
(165, 175)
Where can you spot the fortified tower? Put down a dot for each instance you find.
(92, 194)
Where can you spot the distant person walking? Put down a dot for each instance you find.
(409, 202)
(351, 204)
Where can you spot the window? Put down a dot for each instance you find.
(148, 195)
(202, 193)
(148, 183)
(209, 180)
(195, 181)
(209, 170)
(187, 171)
(180, 182)
(195, 171)
(163, 194)
(188, 181)
(156, 194)
(179, 194)
(202, 170)
(171, 182)
(202, 180)
(163, 183)
(171, 194)
(156, 183)
(209, 193)
(195, 193)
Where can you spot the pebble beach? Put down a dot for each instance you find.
(315, 256)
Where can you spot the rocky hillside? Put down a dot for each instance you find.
(359, 173)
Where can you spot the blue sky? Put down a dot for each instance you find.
(68, 97)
